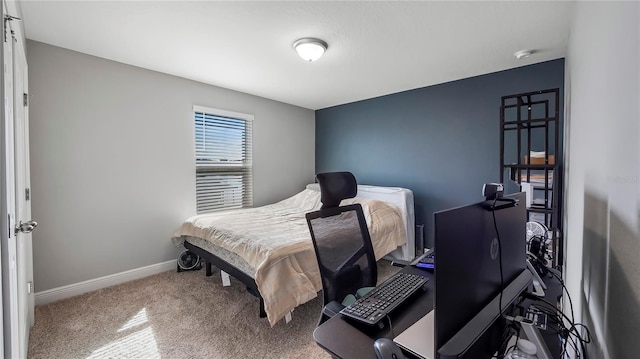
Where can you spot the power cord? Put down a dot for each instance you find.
(567, 333)
(495, 225)
(570, 335)
(513, 329)
(566, 291)
(390, 327)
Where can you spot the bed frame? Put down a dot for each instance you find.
(211, 259)
(400, 197)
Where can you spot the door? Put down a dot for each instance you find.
(16, 258)
(23, 198)
(8, 245)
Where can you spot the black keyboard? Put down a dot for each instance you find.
(381, 300)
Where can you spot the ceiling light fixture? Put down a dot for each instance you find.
(523, 54)
(310, 49)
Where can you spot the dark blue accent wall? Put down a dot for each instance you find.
(442, 141)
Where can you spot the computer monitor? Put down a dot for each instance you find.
(468, 322)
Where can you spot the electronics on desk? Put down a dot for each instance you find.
(472, 300)
(418, 338)
(426, 261)
(462, 324)
(492, 190)
(468, 300)
(537, 317)
(385, 348)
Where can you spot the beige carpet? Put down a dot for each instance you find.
(173, 315)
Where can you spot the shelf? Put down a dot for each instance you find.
(541, 210)
(533, 167)
(521, 127)
(524, 122)
(530, 121)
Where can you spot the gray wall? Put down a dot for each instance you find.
(441, 141)
(112, 160)
(603, 175)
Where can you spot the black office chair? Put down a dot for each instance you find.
(342, 244)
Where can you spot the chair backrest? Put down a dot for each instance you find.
(341, 239)
(336, 186)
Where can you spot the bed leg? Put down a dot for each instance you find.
(208, 270)
(263, 313)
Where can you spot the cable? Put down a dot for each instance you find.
(495, 225)
(574, 325)
(567, 291)
(390, 327)
(512, 329)
(568, 334)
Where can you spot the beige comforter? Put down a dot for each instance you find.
(275, 240)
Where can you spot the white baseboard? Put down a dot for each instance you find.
(72, 290)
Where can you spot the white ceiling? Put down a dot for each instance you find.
(375, 48)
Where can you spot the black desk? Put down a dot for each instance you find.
(344, 339)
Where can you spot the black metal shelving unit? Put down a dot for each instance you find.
(531, 122)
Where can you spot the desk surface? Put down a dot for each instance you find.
(345, 339)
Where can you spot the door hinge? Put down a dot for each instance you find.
(29, 287)
(27, 194)
(25, 98)
(9, 221)
(8, 18)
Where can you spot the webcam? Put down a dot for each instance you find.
(492, 191)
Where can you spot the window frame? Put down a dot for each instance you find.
(245, 170)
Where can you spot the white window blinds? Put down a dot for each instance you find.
(223, 159)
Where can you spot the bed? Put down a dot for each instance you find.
(269, 248)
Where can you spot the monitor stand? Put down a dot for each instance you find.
(538, 283)
(533, 335)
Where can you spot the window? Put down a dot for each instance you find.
(223, 159)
